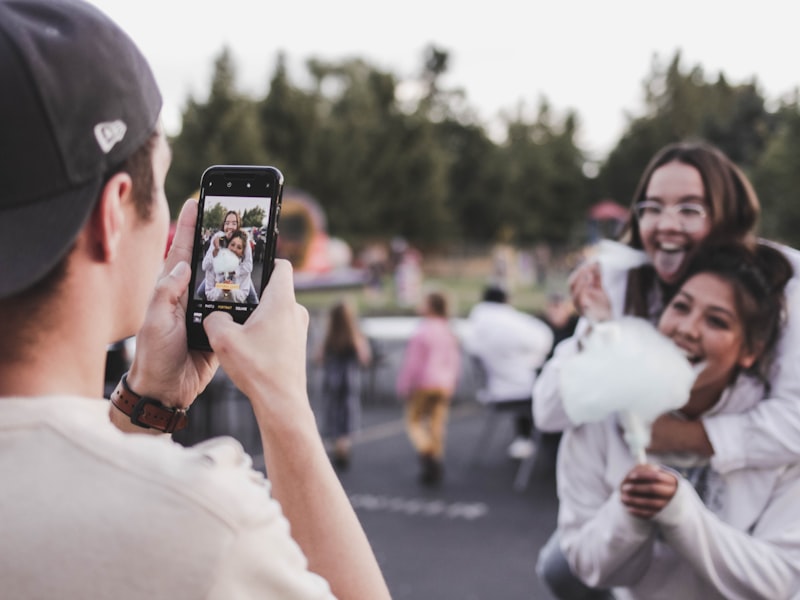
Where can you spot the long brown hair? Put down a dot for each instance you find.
(342, 330)
(733, 206)
(732, 201)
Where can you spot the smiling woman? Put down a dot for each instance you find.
(696, 532)
(682, 174)
(690, 195)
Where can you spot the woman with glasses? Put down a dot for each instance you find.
(219, 241)
(690, 195)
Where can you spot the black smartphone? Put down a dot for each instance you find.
(234, 243)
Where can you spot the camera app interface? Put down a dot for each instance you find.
(229, 267)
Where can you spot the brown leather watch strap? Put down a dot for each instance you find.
(147, 412)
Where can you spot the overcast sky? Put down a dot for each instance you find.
(590, 56)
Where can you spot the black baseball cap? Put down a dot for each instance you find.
(77, 98)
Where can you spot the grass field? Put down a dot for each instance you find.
(462, 290)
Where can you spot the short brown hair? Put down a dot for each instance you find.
(437, 304)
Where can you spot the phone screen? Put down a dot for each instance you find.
(234, 244)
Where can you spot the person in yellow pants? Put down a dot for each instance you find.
(427, 379)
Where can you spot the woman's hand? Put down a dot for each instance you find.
(588, 295)
(647, 489)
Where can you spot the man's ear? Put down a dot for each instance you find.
(108, 218)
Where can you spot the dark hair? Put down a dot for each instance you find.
(437, 304)
(734, 209)
(733, 203)
(758, 273)
(341, 333)
(494, 293)
(242, 235)
(235, 214)
(139, 166)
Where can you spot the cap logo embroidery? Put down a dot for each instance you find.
(109, 134)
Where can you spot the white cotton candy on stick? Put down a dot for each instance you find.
(627, 367)
(614, 255)
(225, 261)
(614, 260)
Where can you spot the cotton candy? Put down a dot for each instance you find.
(225, 261)
(626, 366)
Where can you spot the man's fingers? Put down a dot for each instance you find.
(171, 286)
(182, 242)
(282, 277)
(220, 328)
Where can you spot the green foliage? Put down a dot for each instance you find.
(214, 216)
(254, 217)
(223, 130)
(422, 166)
(777, 179)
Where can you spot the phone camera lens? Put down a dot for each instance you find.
(229, 184)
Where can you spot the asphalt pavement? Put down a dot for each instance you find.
(474, 536)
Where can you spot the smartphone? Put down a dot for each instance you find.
(234, 244)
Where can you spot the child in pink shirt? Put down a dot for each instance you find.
(427, 379)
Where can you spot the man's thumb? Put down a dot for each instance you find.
(219, 326)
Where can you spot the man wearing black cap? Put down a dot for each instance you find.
(97, 501)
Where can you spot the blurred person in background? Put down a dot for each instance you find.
(427, 381)
(342, 355)
(511, 346)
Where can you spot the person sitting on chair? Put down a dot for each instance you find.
(510, 346)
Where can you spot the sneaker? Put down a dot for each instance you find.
(431, 470)
(521, 448)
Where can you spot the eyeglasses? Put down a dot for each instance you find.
(690, 215)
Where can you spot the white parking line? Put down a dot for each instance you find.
(422, 508)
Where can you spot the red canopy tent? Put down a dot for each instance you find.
(608, 210)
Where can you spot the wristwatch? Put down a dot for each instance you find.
(147, 412)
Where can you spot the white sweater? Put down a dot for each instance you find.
(511, 345)
(767, 436)
(743, 543)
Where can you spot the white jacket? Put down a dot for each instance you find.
(743, 543)
(511, 346)
(767, 436)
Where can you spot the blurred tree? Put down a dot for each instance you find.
(373, 167)
(475, 176)
(544, 194)
(411, 158)
(213, 216)
(682, 105)
(289, 122)
(222, 130)
(254, 217)
(776, 177)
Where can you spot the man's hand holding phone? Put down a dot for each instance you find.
(266, 356)
(163, 366)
